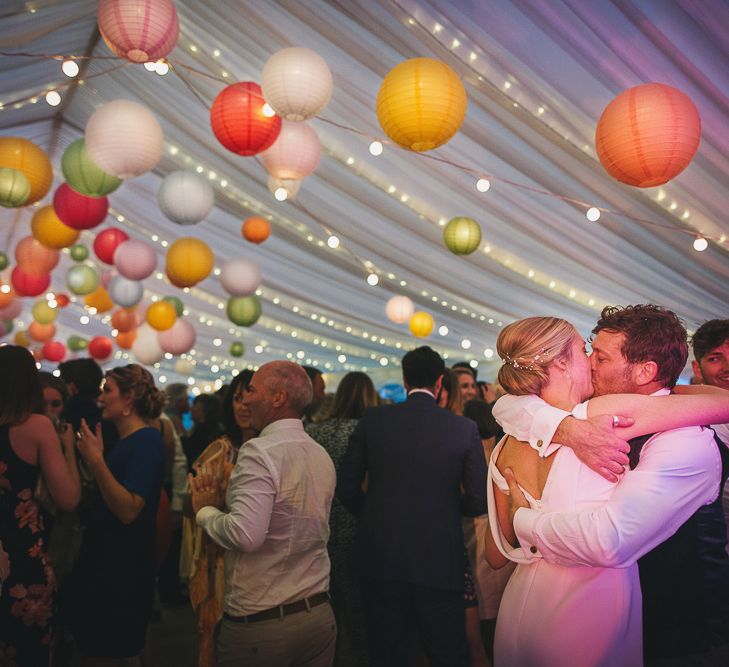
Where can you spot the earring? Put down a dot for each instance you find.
(567, 373)
(126, 412)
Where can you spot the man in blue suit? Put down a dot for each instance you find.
(422, 468)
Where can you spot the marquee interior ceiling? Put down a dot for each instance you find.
(537, 75)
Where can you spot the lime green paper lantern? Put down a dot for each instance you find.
(243, 310)
(177, 303)
(43, 313)
(82, 279)
(83, 175)
(4, 261)
(14, 187)
(462, 235)
(237, 349)
(79, 252)
(77, 344)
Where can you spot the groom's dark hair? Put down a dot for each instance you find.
(422, 367)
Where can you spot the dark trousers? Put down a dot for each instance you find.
(391, 607)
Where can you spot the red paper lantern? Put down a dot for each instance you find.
(100, 348)
(79, 211)
(26, 284)
(238, 120)
(648, 135)
(54, 350)
(106, 243)
(34, 258)
(62, 300)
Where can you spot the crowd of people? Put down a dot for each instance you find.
(576, 520)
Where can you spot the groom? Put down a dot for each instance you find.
(667, 508)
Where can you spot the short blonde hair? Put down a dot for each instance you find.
(527, 348)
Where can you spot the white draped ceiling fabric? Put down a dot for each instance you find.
(537, 74)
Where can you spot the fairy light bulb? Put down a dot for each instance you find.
(281, 194)
(376, 148)
(443, 330)
(150, 66)
(466, 344)
(161, 67)
(700, 244)
(483, 185)
(372, 279)
(593, 214)
(53, 98)
(70, 68)
(333, 241)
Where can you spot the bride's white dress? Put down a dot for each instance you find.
(552, 615)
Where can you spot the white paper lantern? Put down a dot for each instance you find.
(146, 347)
(240, 277)
(124, 139)
(297, 83)
(295, 154)
(135, 259)
(399, 309)
(185, 197)
(184, 367)
(179, 338)
(125, 292)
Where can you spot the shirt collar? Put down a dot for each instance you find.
(420, 390)
(282, 425)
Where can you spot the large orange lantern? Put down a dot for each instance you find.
(648, 135)
(31, 161)
(188, 261)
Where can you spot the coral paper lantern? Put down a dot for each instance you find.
(297, 83)
(26, 284)
(421, 324)
(139, 30)
(106, 243)
(239, 122)
(79, 211)
(462, 235)
(14, 187)
(243, 310)
(648, 134)
(421, 104)
(47, 228)
(256, 229)
(54, 350)
(185, 198)
(123, 320)
(99, 299)
(161, 315)
(124, 139)
(179, 338)
(100, 348)
(295, 154)
(125, 292)
(146, 347)
(399, 309)
(135, 260)
(7, 294)
(188, 261)
(125, 339)
(41, 332)
(83, 175)
(34, 258)
(31, 161)
(240, 277)
(82, 279)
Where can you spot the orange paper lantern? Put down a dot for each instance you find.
(124, 320)
(41, 332)
(125, 339)
(7, 294)
(256, 229)
(99, 299)
(648, 135)
(31, 161)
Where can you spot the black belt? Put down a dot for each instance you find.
(282, 610)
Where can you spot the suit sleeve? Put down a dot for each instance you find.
(473, 500)
(352, 471)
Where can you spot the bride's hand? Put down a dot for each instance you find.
(516, 498)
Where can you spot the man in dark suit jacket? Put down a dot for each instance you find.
(423, 467)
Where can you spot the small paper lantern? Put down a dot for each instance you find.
(238, 121)
(83, 175)
(125, 339)
(240, 277)
(31, 161)
(41, 332)
(100, 348)
(79, 252)
(7, 295)
(139, 30)
(62, 300)
(43, 313)
(421, 324)
(399, 309)
(188, 261)
(294, 154)
(648, 135)
(125, 292)
(14, 187)
(291, 187)
(76, 343)
(161, 315)
(179, 338)
(124, 139)
(123, 320)
(99, 299)
(34, 258)
(462, 235)
(421, 104)
(106, 243)
(256, 229)
(21, 338)
(177, 303)
(243, 310)
(12, 310)
(47, 228)
(54, 350)
(184, 367)
(135, 260)
(237, 349)
(79, 211)
(146, 347)
(26, 284)
(4, 261)
(185, 198)
(106, 277)
(6, 327)
(297, 83)
(82, 279)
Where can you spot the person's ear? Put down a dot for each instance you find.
(697, 370)
(438, 384)
(645, 372)
(279, 398)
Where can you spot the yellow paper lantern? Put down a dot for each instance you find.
(161, 315)
(189, 261)
(43, 313)
(99, 299)
(30, 160)
(421, 104)
(47, 228)
(462, 235)
(421, 324)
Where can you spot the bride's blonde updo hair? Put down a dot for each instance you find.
(527, 348)
(138, 381)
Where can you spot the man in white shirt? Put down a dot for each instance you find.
(275, 526)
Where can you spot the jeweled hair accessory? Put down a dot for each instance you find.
(529, 364)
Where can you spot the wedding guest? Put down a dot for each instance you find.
(55, 395)
(205, 414)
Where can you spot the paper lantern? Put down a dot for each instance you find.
(185, 198)
(12, 310)
(135, 260)
(123, 320)
(43, 313)
(462, 235)
(4, 261)
(47, 228)
(421, 104)
(240, 277)
(399, 309)
(256, 229)
(79, 252)
(31, 161)
(188, 261)
(54, 350)
(184, 367)
(21, 338)
(62, 300)
(179, 338)
(41, 332)
(7, 295)
(6, 327)
(243, 310)
(237, 349)
(26, 284)
(100, 348)
(177, 303)
(106, 243)
(34, 258)
(82, 279)
(106, 277)
(139, 30)
(290, 186)
(161, 315)
(99, 299)
(421, 324)
(76, 343)
(297, 83)
(648, 134)
(124, 139)
(125, 339)
(77, 210)
(125, 292)
(14, 187)
(146, 347)
(83, 175)
(294, 154)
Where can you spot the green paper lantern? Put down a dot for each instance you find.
(177, 303)
(237, 349)
(82, 279)
(79, 252)
(4, 261)
(462, 235)
(43, 313)
(83, 175)
(77, 344)
(243, 310)
(14, 187)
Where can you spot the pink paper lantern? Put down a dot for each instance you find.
(106, 243)
(135, 260)
(139, 30)
(79, 211)
(34, 258)
(295, 154)
(179, 338)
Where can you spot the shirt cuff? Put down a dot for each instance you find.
(205, 514)
(525, 520)
(544, 424)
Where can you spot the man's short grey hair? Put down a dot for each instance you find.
(175, 392)
(293, 379)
